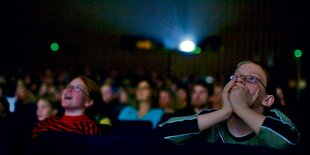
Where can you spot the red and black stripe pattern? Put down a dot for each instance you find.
(74, 124)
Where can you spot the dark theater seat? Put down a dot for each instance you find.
(134, 128)
(67, 144)
(135, 123)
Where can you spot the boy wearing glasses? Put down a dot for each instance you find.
(77, 99)
(246, 116)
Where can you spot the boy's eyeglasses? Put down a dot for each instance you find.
(248, 78)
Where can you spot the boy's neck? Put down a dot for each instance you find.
(238, 127)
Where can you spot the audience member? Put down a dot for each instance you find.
(182, 98)
(78, 98)
(145, 108)
(46, 107)
(215, 100)
(199, 98)
(246, 116)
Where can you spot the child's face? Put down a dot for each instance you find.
(44, 109)
(75, 95)
(256, 71)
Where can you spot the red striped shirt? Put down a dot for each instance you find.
(75, 124)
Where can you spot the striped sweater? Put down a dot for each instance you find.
(277, 131)
(74, 124)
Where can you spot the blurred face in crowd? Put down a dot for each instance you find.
(216, 98)
(144, 92)
(164, 99)
(123, 97)
(181, 94)
(45, 110)
(199, 96)
(182, 98)
(106, 93)
(75, 96)
(21, 92)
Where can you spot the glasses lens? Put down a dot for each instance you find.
(247, 78)
(251, 79)
(232, 77)
(77, 88)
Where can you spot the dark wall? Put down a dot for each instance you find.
(268, 31)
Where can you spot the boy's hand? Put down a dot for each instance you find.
(240, 96)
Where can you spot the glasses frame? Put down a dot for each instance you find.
(246, 78)
(77, 89)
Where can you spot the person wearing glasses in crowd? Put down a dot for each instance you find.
(78, 98)
(247, 115)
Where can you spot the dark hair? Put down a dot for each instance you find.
(202, 82)
(169, 91)
(165, 89)
(55, 104)
(149, 81)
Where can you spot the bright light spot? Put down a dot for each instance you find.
(54, 47)
(144, 44)
(302, 84)
(197, 50)
(187, 46)
(298, 53)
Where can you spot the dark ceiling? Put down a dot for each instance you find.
(170, 21)
(25, 24)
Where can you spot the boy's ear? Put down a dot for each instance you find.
(89, 103)
(268, 101)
